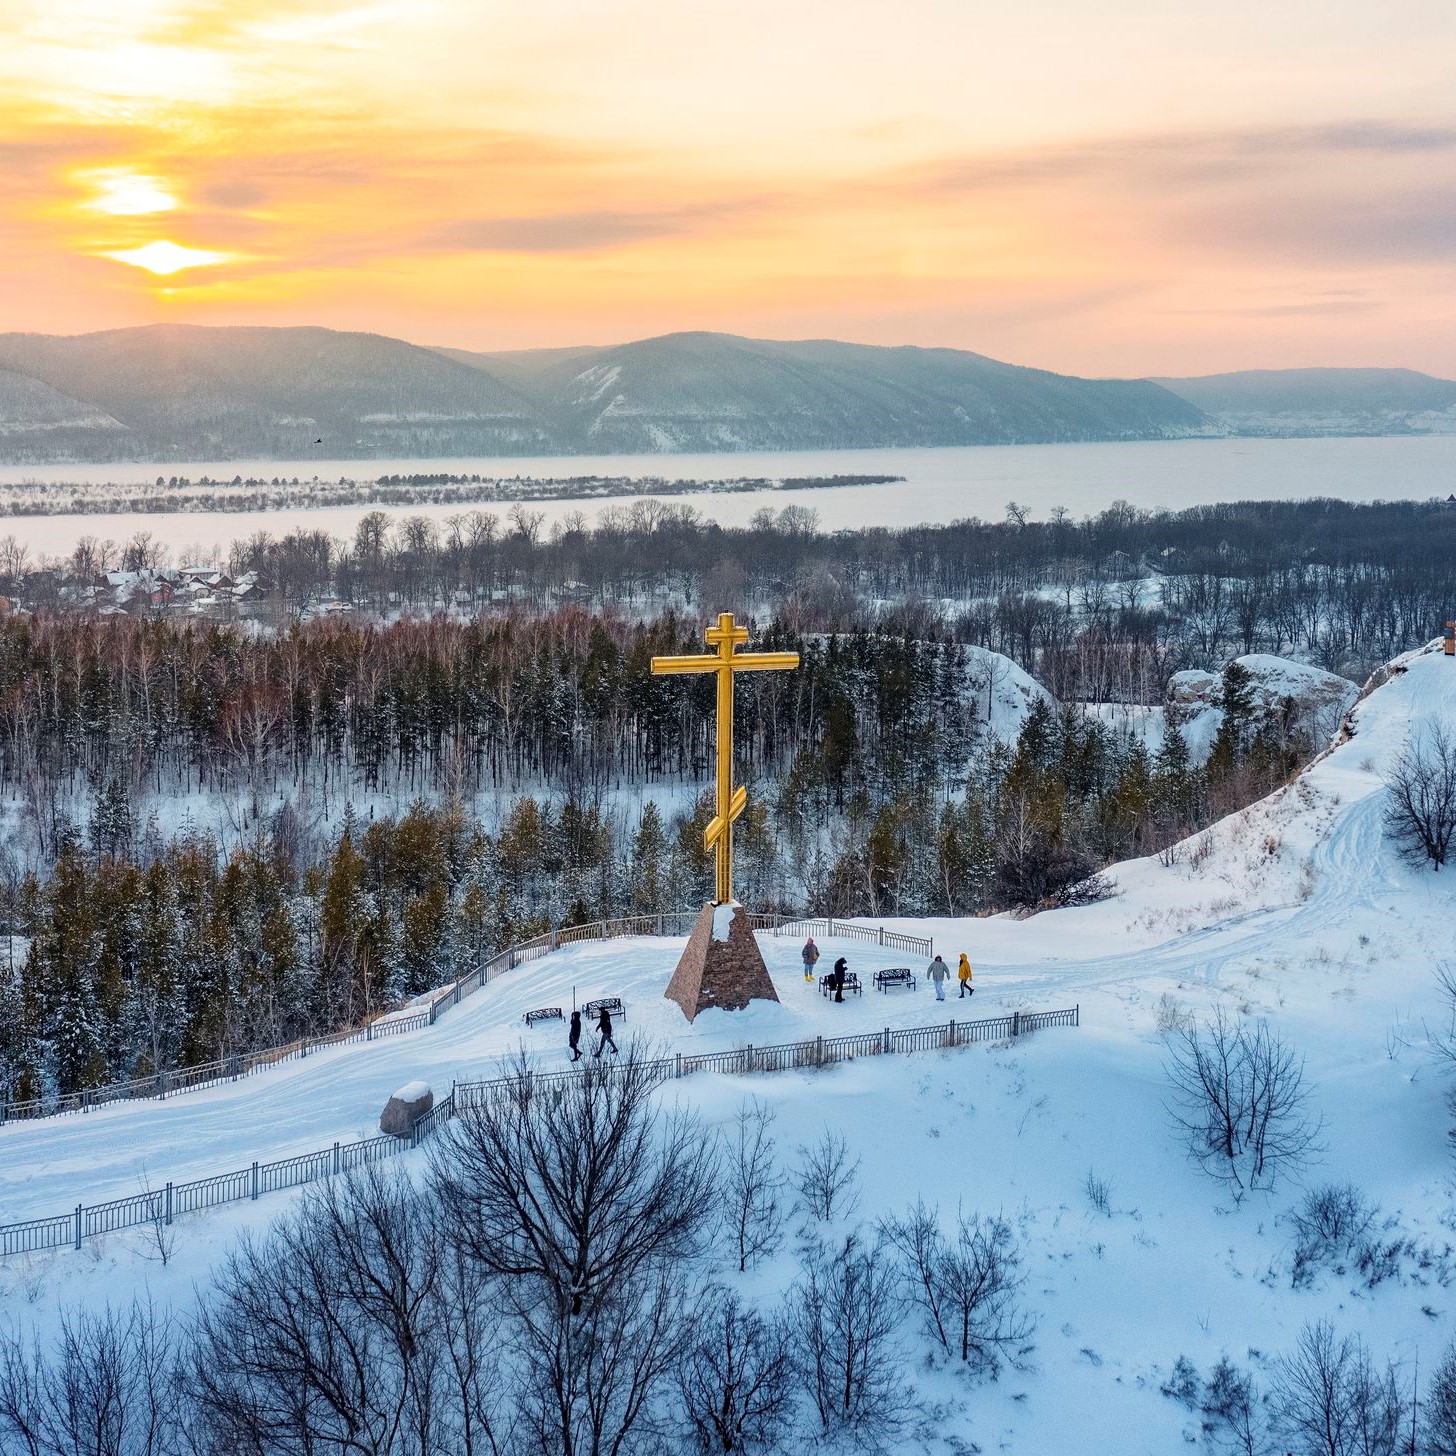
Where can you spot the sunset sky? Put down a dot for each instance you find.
(1150, 186)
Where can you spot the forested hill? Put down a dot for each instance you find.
(182, 393)
(700, 391)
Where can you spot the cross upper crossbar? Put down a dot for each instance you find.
(727, 636)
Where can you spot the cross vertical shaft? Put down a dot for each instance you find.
(726, 637)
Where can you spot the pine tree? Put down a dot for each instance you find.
(649, 852)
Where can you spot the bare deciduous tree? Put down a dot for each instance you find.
(580, 1185)
(1420, 812)
(355, 1326)
(752, 1184)
(967, 1290)
(1240, 1100)
(735, 1381)
(826, 1180)
(845, 1307)
(108, 1389)
(1328, 1399)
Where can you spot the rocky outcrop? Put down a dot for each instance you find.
(405, 1108)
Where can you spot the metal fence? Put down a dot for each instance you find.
(160, 1206)
(230, 1069)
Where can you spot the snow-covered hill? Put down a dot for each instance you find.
(1296, 909)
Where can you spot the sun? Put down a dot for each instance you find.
(164, 257)
(123, 193)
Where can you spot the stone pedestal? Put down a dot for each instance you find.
(721, 965)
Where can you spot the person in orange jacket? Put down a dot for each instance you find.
(963, 975)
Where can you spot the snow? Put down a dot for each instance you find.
(412, 1092)
(723, 919)
(1295, 909)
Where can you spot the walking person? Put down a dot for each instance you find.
(573, 1037)
(939, 974)
(604, 1028)
(841, 970)
(963, 974)
(811, 959)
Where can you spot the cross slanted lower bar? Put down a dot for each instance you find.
(727, 637)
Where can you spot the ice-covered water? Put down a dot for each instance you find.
(940, 485)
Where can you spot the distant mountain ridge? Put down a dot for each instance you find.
(182, 392)
(1323, 401)
(179, 392)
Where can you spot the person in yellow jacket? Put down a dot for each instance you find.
(963, 975)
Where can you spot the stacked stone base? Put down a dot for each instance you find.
(728, 973)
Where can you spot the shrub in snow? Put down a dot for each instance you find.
(1330, 1222)
(968, 1288)
(1420, 813)
(1239, 1099)
(1229, 1413)
(1327, 1398)
(1182, 1384)
(1099, 1194)
(735, 1381)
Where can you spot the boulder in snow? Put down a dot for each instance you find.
(405, 1108)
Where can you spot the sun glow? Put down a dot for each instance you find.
(123, 193)
(165, 258)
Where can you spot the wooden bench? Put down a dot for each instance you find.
(851, 983)
(543, 1013)
(611, 1003)
(895, 976)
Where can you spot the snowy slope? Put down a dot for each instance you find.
(1295, 909)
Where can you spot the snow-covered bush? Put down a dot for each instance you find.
(1239, 1099)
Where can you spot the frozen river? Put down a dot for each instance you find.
(939, 486)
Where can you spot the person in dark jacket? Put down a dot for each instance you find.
(573, 1038)
(604, 1028)
(841, 970)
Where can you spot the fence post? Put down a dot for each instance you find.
(885, 1042)
(255, 1179)
(78, 1225)
(819, 1047)
(169, 1202)
(677, 1069)
(748, 1058)
(336, 1159)
(1015, 1023)
(882, 935)
(1077, 1014)
(162, 1086)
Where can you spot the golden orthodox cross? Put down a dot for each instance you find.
(727, 660)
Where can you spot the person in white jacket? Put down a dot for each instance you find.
(939, 974)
